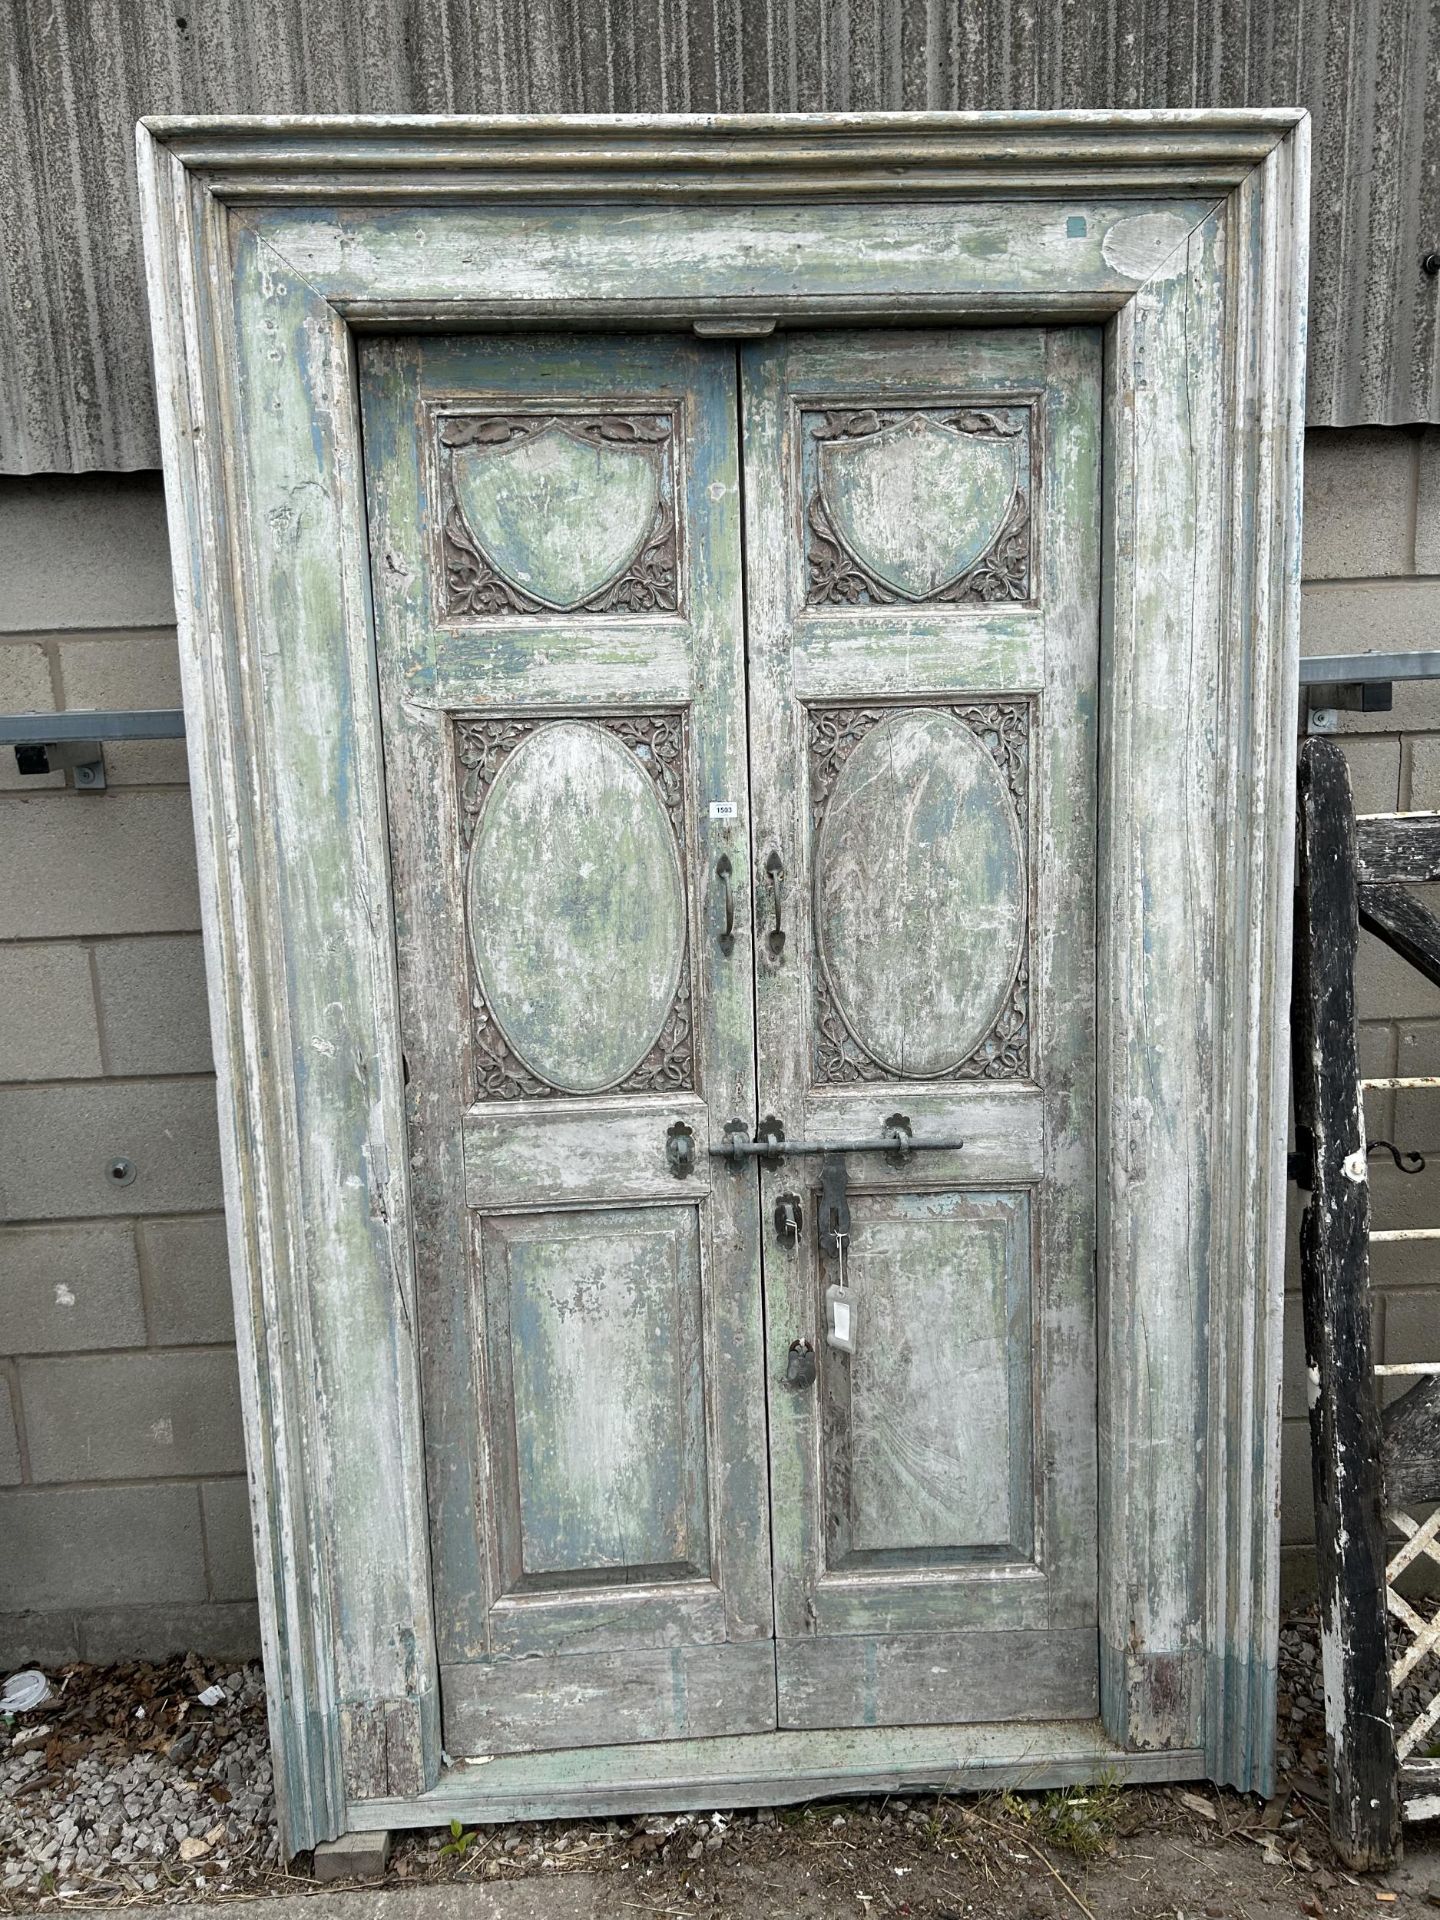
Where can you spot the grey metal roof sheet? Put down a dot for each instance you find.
(75, 386)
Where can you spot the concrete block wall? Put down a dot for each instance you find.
(123, 1521)
(124, 1525)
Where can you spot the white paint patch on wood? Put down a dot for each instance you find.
(1147, 246)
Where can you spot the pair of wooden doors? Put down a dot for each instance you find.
(739, 711)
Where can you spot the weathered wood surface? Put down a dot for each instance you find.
(1410, 1446)
(930, 1679)
(777, 1769)
(573, 837)
(1420, 1781)
(1004, 1137)
(344, 1196)
(1148, 1687)
(920, 967)
(926, 1442)
(1267, 224)
(1335, 1270)
(1004, 253)
(567, 1153)
(1160, 807)
(252, 631)
(592, 1351)
(1397, 847)
(863, 793)
(603, 1699)
(1404, 923)
(813, 156)
(594, 1331)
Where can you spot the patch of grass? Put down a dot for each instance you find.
(1081, 1821)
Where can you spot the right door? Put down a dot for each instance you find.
(922, 568)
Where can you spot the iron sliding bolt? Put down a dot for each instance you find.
(769, 1146)
(896, 1140)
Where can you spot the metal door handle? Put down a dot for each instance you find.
(775, 873)
(723, 871)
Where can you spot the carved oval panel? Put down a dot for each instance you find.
(576, 907)
(920, 893)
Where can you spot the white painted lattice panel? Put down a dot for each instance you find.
(1421, 1538)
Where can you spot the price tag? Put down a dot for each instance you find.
(840, 1319)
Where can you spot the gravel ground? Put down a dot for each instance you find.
(125, 1789)
(123, 1783)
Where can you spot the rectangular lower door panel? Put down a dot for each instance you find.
(596, 1413)
(601, 1700)
(937, 1679)
(926, 1426)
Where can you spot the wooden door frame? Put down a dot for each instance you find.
(269, 243)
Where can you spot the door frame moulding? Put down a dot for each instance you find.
(269, 242)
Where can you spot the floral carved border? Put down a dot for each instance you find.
(1004, 573)
(659, 743)
(1003, 728)
(470, 586)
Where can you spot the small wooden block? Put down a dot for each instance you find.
(354, 1856)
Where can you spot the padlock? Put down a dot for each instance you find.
(788, 1216)
(800, 1365)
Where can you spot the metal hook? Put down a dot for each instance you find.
(1417, 1160)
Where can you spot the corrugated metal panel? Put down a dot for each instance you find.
(74, 373)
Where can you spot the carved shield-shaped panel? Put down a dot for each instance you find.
(917, 505)
(557, 513)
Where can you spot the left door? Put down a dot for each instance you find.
(555, 546)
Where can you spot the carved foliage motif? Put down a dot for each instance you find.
(1003, 728)
(473, 586)
(658, 743)
(837, 576)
